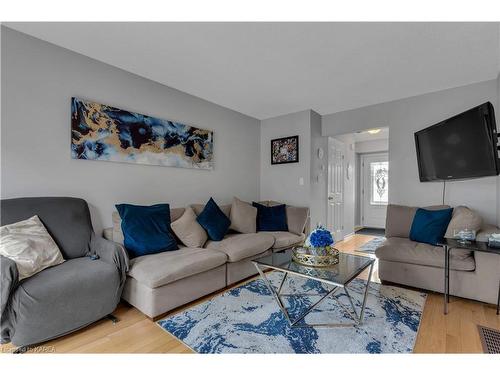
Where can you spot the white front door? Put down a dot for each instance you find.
(374, 189)
(336, 152)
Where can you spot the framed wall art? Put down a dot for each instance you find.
(102, 132)
(285, 150)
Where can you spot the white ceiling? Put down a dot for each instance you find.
(269, 69)
(365, 136)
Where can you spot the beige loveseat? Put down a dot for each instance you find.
(158, 283)
(473, 275)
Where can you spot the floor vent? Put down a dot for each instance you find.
(490, 338)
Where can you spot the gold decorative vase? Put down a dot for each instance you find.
(315, 257)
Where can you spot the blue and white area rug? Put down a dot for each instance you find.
(372, 245)
(246, 319)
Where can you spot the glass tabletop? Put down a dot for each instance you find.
(341, 274)
(469, 245)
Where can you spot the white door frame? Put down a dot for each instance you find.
(362, 181)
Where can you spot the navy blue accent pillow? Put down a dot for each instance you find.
(214, 221)
(430, 226)
(146, 229)
(271, 219)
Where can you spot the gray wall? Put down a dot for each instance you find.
(375, 145)
(318, 175)
(38, 80)
(406, 116)
(280, 182)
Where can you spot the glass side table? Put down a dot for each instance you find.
(448, 245)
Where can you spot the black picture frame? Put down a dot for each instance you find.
(293, 141)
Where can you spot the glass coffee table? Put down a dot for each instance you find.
(338, 277)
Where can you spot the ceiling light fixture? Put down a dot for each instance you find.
(374, 131)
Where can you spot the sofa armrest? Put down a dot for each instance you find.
(9, 278)
(112, 253)
(488, 272)
(485, 232)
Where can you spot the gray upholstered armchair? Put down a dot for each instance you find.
(66, 297)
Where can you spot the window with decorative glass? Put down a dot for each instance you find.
(379, 181)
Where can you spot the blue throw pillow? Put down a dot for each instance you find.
(430, 226)
(146, 229)
(214, 221)
(271, 219)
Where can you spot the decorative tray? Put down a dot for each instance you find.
(315, 257)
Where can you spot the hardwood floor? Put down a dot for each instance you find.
(135, 333)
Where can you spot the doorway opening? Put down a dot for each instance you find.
(358, 183)
(374, 186)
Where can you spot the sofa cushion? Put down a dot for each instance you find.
(66, 219)
(164, 268)
(463, 218)
(214, 221)
(175, 213)
(63, 298)
(396, 249)
(429, 226)
(188, 230)
(146, 229)
(284, 240)
(240, 246)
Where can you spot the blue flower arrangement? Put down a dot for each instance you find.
(320, 237)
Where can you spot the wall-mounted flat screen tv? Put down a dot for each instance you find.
(463, 146)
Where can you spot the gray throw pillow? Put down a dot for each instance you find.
(188, 230)
(463, 218)
(296, 218)
(243, 217)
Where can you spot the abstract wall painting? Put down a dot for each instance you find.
(285, 150)
(102, 132)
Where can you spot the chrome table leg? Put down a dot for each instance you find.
(361, 315)
(498, 299)
(446, 278)
(282, 282)
(311, 308)
(273, 292)
(276, 293)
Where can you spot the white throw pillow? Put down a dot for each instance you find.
(29, 244)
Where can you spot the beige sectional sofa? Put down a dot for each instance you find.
(158, 283)
(473, 275)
